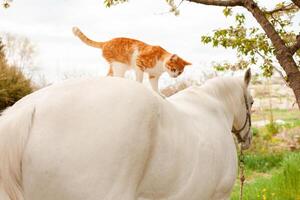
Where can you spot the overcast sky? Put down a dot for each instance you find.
(48, 25)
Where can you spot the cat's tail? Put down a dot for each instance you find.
(77, 32)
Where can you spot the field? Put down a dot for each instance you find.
(271, 176)
(272, 165)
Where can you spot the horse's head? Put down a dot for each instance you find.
(242, 118)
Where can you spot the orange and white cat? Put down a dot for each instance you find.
(124, 54)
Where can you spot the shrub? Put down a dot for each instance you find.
(13, 84)
(255, 131)
(270, 130)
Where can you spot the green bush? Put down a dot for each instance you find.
(13, 84)
(255, 130)
(272, 128)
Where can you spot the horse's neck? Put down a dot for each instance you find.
(227, 97)
(205, 98)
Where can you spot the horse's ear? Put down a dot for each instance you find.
(247, 77)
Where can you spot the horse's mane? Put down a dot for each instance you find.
(228, 89)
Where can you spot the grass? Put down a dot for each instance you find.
(263, 162)
(288, 116)
(272, 171)
(264, 136)
(280, 182)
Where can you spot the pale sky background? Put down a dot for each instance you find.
(48, 25)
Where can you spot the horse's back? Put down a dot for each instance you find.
(112, 139)
(89, 140)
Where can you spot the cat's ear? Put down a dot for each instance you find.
(187, 63)
(174, 57)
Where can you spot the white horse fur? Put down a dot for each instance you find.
(114, 139)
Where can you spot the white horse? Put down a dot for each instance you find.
(113, 139)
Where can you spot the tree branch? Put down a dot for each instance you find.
(276, 69)
(297, 2)
(260, 17)
(296, 46)
(230, 3)
(282, 52)
(288, 7)
(282, 76)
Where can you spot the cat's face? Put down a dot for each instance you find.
(175, 65)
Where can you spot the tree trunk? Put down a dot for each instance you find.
(296, 2)
(283, 54)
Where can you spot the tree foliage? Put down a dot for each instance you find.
(251, 43)
(109, 3)
(6, 3)
(173, 7)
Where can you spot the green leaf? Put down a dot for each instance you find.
(240, 18)
(227, 11)
(109, 3)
